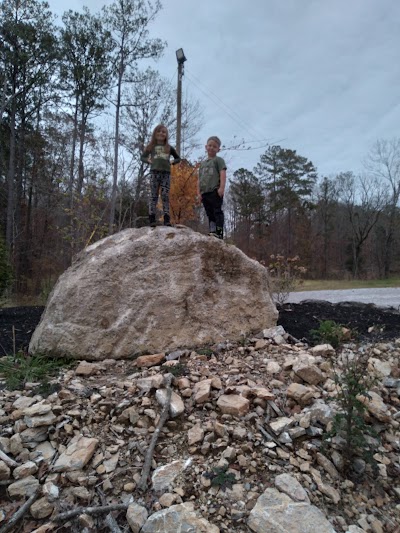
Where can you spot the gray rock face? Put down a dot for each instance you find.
(178, 518)
(153, 290)
(277, 513)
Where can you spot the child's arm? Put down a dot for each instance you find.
(222, 183)
(146, 157)
(175, 155)
(198, 197)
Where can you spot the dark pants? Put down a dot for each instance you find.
(159, 180)
(212, 203)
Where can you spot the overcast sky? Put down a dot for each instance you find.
(318, 76)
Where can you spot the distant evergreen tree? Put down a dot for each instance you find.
(289, 181)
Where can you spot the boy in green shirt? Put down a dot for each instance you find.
(211, 186)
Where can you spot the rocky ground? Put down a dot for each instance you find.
(241, 450)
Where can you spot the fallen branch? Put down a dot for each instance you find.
(9, 526)
(142, 485)
(68, 515)
(4, 457)
(109, 521)
(269, 436)
(26, 506)
(273, 405)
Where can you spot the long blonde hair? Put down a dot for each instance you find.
(153, 141)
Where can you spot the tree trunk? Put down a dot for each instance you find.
(11, 178)
(81, 173)
(72, 164)
(116, 147)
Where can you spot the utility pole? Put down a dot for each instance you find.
(180, 57)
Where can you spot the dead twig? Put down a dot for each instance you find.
(68, 515)
(142, 485)
(109, 521)
(273, 405)
(13, 337)
(10, 462)
(9, 526)
(26, 506)
(271, 437)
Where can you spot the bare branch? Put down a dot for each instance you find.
(68, 515)
(142, 485)
(21, 512)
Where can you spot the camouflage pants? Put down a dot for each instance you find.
(159, 181)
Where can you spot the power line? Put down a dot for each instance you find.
(217, 104)
(227, 109)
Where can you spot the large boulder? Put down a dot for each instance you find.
(150, 290)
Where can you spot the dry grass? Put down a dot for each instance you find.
(328, 285)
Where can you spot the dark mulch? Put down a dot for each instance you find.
(300, 319)
(24, 321)
(297, 319)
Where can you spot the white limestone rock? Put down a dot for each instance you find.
(278, 513)
(145, 290)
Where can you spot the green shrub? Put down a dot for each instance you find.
(221, 478)
(177, 371)
(352, 383)
(205, 351)
(329, 332)
(24, 368)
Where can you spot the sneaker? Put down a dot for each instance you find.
(167, 221)
(152, 220)
(213, 234)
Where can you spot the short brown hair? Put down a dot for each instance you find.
(216, 139)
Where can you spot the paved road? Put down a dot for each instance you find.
(388, 297)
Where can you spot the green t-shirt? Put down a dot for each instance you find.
(160, 158)
(209, 174)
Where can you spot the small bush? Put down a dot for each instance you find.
(221, 478)
(329, 332)
(285, 276)
(24, 368)
(177, 371)
(205, 351)
(352, 383)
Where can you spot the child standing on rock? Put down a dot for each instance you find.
(211, 186)
(157, 153)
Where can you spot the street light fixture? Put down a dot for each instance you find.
(180, 56)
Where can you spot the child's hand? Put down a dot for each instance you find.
(221, 192)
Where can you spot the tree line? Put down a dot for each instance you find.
(77, 105)
(340, 226)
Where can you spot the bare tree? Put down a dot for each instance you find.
(383, 162)
(128, 22)
(151, 100)
(364, 199)
(325, 212)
